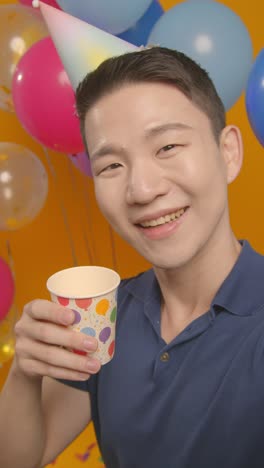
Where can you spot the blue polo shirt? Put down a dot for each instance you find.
(197, 402)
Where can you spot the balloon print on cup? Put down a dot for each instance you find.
(105, 334)
(83, 303)
(91, 294)
(78, 317)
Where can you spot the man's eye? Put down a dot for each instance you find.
(168, 147)
(111, 167)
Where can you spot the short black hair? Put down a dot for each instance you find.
(153, 65)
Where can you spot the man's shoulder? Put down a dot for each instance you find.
(137, 280)
(137, 285)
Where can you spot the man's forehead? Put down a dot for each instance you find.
(147, 114)
(104, 147)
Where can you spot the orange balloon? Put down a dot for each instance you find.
(102, 306)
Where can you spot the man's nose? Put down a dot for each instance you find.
(145, 183)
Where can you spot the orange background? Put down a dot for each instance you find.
(70, 226)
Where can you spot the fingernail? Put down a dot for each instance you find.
(84, 376)
(91, 365)
(89, 345)
(67, 317)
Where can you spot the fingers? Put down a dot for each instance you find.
(50, 312)
(39, 369)
(51, 333)
(45, 321)
(38, 356)
(42, 335)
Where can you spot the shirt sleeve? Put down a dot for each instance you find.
(88, 385)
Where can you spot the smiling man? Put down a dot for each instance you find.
(185, 388)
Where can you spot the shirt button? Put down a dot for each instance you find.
(165, 357)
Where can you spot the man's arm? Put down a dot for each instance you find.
(68, 412)
(40, 420)
(39, 415)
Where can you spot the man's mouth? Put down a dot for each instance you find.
(168, 218)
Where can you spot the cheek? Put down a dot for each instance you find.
(108, 200)
(203, 176)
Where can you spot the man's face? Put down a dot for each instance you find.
(159, 175)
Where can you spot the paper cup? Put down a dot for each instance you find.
(91, 293)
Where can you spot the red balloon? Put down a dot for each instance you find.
(44, 99)
(7, 289)
(48, 2)
(83, 303)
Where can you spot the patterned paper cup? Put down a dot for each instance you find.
(91, 292)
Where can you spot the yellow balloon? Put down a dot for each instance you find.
(21, 27)
(23, 186)
(7, 350)
(7, 338)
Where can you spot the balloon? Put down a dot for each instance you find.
(82, 162)
(255, 97)
(20, 28)
(7, 338)
(83, 303)
(105, 334)
(44, 99)
(139, 33)
(7, 350)
(215, 37)
(114, 16)
(89, 331)
(52, 3)
(78, 317)
(23, 186)
(7, 288)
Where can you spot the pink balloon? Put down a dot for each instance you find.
(7, 289)
(48, 2)
(44, 99)
(82, 162)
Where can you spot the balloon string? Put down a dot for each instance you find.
(113, 249)
(111, 235)
(89, 217)
(75, 187)
(62, 207)
(12, 268)
(10, 257)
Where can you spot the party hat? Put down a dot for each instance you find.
(81, 46)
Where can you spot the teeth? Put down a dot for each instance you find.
(163, 219)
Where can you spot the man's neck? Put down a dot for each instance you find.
(188, 291)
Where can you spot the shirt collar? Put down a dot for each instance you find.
(241, 292)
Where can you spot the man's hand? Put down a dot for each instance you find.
(43, 343)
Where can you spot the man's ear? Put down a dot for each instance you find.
(231, 147)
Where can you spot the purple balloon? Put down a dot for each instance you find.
(82, 162)
(77, 317)
(104, 334)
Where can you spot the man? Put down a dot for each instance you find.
(185, 387)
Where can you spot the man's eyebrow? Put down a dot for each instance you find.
(107, 149)
(158, 129)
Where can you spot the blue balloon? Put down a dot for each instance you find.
(114, 16)
(139, 33)
(215, 37)
(255, 97)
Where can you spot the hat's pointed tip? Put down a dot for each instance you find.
(81, 46)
